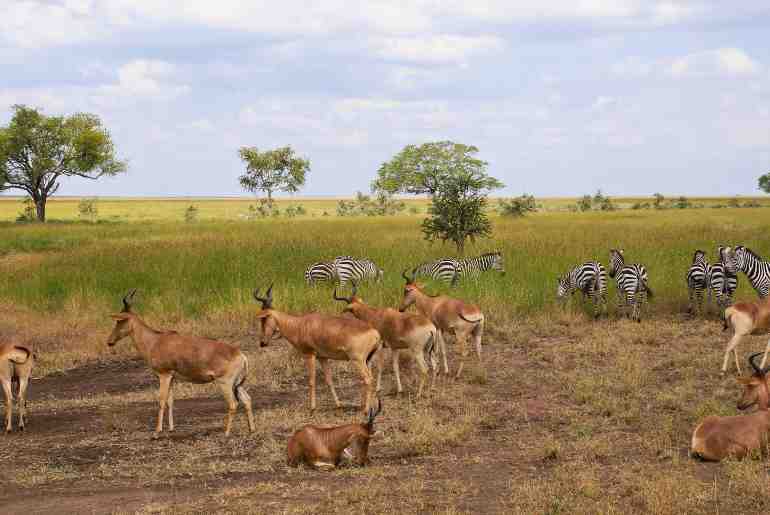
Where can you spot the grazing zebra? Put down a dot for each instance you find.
(320, 271)
(756, 269)
(724, 281)
(472, 267)
(591, 279)
(698, 281)
(632, 283)
(444, 269)
(348, 268)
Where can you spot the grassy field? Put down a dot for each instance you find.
(565, 416)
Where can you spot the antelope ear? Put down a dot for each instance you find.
(262, 314)
(120, 316)
(376, 435)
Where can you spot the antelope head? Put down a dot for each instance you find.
(357, 449)
(755, 386)
(411, 290)
(352, 302)
(266, 315)
(123, 320)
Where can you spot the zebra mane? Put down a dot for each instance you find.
(750, 252)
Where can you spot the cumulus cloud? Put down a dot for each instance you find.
(722, 61)
(437, 49)
(149, 78)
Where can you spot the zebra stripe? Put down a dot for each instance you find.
(591, 279)
(348, 268)
(441, 270)
(756, 269)
(472, 267)
(698, 280)
(320, 271)
(632, 283)
(724, 282)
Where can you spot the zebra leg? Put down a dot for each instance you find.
(690, 299)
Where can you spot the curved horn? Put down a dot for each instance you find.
(373, 414)
(753, 363)
(355, 289)
(341, 299)
(267, 302)
(403, 274)
(127, 299)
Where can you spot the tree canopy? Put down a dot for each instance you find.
(273, 170)
(764, 183)
(37, 150)
(422, 169)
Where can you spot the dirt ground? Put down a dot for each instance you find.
(567, 416)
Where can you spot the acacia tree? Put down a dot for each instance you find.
(455, 179)
(273, 170)
(764, 183)
(36, 151)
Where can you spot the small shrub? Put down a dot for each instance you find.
(518, 206)
(658, 201)
(682, 203)
(584, 204)
(414, 210)
(28, 212)
(733, 202)
(190, 214)
(641, 205)
(87, 209)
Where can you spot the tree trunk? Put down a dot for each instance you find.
(40, 208)
(270, 198)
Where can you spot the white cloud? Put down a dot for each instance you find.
(722, 61)
(146, 78)
(437, 49)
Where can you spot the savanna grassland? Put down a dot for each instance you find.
(565, 415)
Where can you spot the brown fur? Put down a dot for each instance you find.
(16, 364)
(327, 338)
(716, 438)
(411, 332)
(746, 318)
(450, 316)
(188, 358)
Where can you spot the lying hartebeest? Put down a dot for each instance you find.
(412, 332)
(449, 315)
(319, 446)
(324, 337)
(746, 318)
(16, 363)
(717, 438)
(188, 358)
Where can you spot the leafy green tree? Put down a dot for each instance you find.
(273, 170)
(457, 182)
(658, 202)
(36, 151)
(517, 207)
(764, 183)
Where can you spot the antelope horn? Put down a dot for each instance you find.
(373, 414)
(403, 274)
(341, 299)
(128, 298)
(753, 364)
(267, 302)
(355, 289)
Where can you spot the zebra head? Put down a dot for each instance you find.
(496, 262)
(727, 258)
(616, 261)
(562, 290)
(698, 257)
(737, 258)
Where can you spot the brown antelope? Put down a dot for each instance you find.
(746, 318)
(717, 438)
(188, 358)
(449, 315)
(399, 331)
(326, 338)
(16, 363)
(323, 446)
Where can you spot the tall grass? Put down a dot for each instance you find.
(188, 270)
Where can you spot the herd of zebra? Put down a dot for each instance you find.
(719, 279)
(449, 270)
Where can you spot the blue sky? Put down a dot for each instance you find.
(561, 97)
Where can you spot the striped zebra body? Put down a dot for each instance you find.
(590, 279)
(724, 282)
(320, 271)
(441, 270)
(472, 267)
(756, 269)
(348, 268)
(632, 284)
(698, 280)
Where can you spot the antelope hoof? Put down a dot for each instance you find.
(155, 435)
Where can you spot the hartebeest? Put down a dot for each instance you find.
(449, 315)
(411, 332)
(746, 318)
(717, 438)
(16, 363)
(324, 446)
(188, 358)
(324, 337)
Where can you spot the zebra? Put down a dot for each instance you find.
(472, 267)
(724, 281)
(756, 269)
(698, 281)
(348, 268)
(444, 269)
(632, 283)
(320, 271)
(591, 279)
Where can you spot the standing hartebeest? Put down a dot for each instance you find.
(746, 318)
(326, 338)
(449, 315)
(411, 332)
(16, 363)
(188, 358)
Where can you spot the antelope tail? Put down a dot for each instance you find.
(372, 353)
(19, 355)
(469, 320)
(242, 379)
(430, 345)
(726, 323)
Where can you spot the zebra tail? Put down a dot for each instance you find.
(648, 290)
